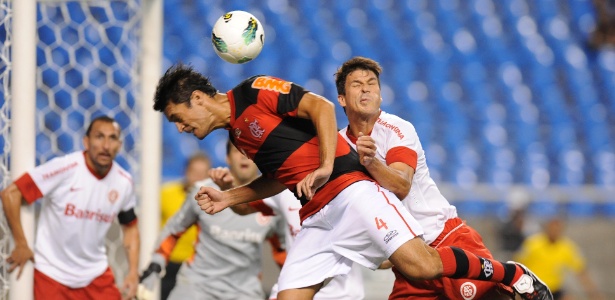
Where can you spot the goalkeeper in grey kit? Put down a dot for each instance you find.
(227, 259)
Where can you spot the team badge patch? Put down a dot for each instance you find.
(468, 290)
(256, 130)
(113, 195)
(262, 219)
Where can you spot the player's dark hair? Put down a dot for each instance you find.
(351, 65)
(104, 119)
(177, 85)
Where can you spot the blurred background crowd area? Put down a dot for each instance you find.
(513, 100)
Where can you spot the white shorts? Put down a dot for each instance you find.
(365, 223)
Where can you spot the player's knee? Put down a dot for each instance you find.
(417, 261)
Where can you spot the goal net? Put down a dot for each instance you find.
(87, 65)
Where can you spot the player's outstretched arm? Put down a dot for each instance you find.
(213, 201)
(11, 201)
(131, 245)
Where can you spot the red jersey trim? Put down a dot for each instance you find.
(262, 207)
(351, 137)
(402, 154)
(132, 223)
(330, 191)
(396, 210)
(28, 188)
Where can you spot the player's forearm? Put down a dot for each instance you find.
(11, 201)
(243, 209)
(390, 178)
(131, 245)
(260, 188)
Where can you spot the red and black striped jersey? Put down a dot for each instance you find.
(265, 127)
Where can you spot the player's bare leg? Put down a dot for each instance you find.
(417, 261)
(306, 293)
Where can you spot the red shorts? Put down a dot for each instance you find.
(103, 287)
(458, 234)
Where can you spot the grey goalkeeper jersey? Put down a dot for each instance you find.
(227, 262)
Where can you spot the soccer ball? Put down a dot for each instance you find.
(238, 37)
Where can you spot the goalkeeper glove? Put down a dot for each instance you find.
(149, 277)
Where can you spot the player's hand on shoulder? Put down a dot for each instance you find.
(222, 177)
(210, 200)
(19, 257)
(366, 148)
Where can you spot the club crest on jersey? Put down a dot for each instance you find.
(256, 130)
(272, 84)
(113, 195)
(468, 290)
(262, 219)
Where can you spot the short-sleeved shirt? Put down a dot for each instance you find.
(549, 260)
(397, 141)
(265, 127)
(172, 196)
(77, 211)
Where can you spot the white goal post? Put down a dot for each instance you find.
(131, 37)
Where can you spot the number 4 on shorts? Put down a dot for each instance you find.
(380, 224)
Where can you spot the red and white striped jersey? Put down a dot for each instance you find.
(78, 208)
(397, 141)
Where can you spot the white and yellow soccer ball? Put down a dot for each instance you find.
(238, 37)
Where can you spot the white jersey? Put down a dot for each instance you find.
(397, 141)
(77, 211)
(287, 206)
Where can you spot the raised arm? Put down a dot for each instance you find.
(396, 177)
(11, 201)
(322, 114)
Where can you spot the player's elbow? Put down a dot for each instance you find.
(402, 190)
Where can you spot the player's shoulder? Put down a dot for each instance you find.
(65, 162)
(119, 172)
(394, 123)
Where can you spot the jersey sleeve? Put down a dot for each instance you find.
(403, 145)
(173, 229)
(45, 178)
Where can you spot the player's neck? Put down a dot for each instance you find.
(222, 111)
(361, 124)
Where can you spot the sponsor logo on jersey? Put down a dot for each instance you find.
(72, 211)
(58, 171)
(256, 130)
(74, 189)
(390, 236)
(468, 290)
(392, 127)
(272, 84)
(113, 195)
(294, 208)
(487, 268)
(246, 235)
